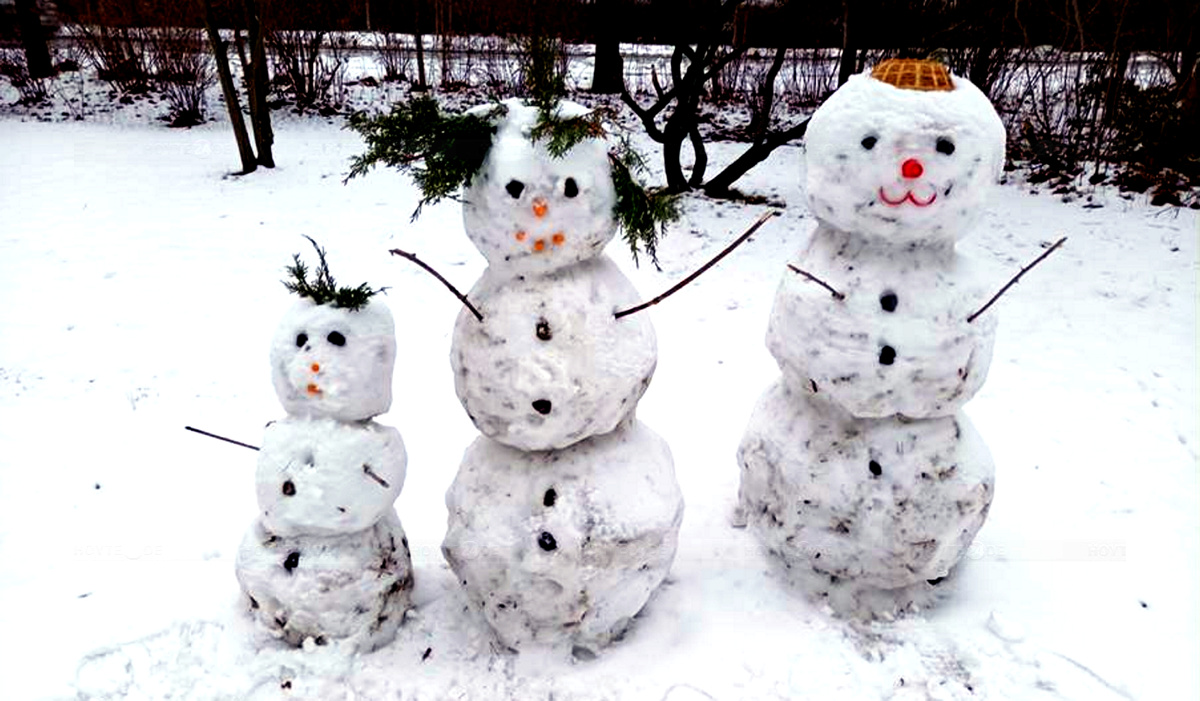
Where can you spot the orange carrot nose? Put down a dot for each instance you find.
(316, 367)
(539, 208)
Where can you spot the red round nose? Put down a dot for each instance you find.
(911, 168)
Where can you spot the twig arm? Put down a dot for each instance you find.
(220, 438)
(1057, 244)
(716, 259)
(461, 297)
(836, 295)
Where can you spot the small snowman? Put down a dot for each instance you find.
(327, 559)
(859, 469)
(564, 515)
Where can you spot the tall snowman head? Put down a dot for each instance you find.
(333, 353)
(907, 153)
(529, 211)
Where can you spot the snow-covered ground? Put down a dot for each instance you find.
(139, 288)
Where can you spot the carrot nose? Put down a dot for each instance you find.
(539, 208)
(911, 168)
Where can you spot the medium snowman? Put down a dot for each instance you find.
(327, 559)
(858, 467)
(564, 515)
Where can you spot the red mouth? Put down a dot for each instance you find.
(908, 197)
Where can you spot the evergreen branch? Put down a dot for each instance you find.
(700, 271)
(564, 134)
(324, 289)
(990, 302)
(441, 152)
(461, 297)
(643, 214)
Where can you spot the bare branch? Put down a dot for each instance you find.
(836, 295)
(700, 271)
(990, 302)
(220, 438)
(461, 297)
(646, 115)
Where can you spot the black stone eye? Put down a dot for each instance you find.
(336, 338)
(570, 188)
(515, 188)
(869, 142)
(875, 468)
(301, 340)
(945, 146)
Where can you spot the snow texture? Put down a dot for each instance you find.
(899, 342)
(877, 161)
(878, 509)
(335, 363)
(564, 547)
(530, 212)
(322, 477)
(550, 365)
(353, 586)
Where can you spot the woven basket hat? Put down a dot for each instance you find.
(913, 74)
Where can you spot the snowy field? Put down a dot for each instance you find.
(139, 288)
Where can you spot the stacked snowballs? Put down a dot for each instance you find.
(859, 469)
(327, 558)
(564, 515)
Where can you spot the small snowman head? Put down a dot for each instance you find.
(907, 153)
(333, 353)
(530, 211)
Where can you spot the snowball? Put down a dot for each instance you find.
(334, 363)
(868, 513)
(878, 166)
(529, 212)
(564, 547)
(899, 343)
(323, 477)
(347, 586)
(549, 365)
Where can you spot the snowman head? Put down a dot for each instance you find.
(333, 353)
(907, 153)
(528, 211)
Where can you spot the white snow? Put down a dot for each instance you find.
(139, 288)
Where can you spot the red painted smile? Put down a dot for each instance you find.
(908, 197)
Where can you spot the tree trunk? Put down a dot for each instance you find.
(258, 81)
(33, 40)
(757, 153)
(849, 58)
(608, 74)
(249, 165)
(420, 41)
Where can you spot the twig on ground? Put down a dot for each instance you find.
(728, 249)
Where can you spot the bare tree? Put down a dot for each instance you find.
(33, 40)
(692, 66)
(219, 47)
(608, 72)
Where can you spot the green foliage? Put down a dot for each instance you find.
(441, 151)
(324, 290)
(643, 214)
(562, 135)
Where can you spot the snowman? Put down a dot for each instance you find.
(564, 515)
(327, 559)
(859, 469)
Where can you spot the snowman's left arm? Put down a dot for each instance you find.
(1013, 281)
(699, 271)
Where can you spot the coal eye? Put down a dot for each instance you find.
(945, 146)
(570, 188)
(869, 142)
(515, 187)
(301, 339)
(336, 338)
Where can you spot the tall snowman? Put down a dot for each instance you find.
(564, 515)
(858, 468)
(326, 558)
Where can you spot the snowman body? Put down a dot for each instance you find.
(327, 557)
(546, 531)
(859, 469)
